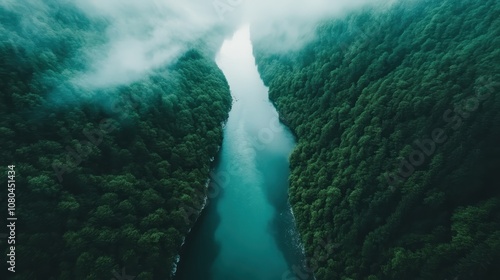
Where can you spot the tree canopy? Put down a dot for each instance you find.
(397, 116)
(105, 176)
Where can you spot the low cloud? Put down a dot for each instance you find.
(151, 33)
(143, 35)
(285, 25)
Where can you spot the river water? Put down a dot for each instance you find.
(246, 231)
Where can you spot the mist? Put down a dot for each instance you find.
(284, 25)
(141, 36)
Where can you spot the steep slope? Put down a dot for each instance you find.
(395, 175)
(106, 180)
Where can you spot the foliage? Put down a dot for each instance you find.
(104, 176)
(362, 98)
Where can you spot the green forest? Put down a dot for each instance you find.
(397, 116)
(395, 111)
(107, 179)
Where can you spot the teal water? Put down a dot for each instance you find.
(246, 231)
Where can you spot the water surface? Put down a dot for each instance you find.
(246, 232)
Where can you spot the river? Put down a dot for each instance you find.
(246, 231)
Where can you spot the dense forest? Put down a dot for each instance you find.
(397, 113)
(106, 179)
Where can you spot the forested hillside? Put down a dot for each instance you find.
(103, 176)
(397, 113)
